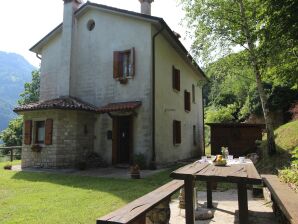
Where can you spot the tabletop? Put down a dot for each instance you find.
(234, 172)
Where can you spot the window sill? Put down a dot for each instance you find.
(176, 90)
(187, 111)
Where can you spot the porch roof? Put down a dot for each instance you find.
(119, 107)
(65, 103)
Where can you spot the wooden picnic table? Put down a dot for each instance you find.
(235, 172)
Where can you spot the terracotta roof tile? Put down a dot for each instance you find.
(67, 103)
(123, 106)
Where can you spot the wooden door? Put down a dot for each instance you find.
(122, 140)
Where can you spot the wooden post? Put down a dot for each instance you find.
(209, 194)
(242, 203)
(189, 206)
(11, 154)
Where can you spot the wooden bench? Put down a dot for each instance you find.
(283, 197)
(135, 211)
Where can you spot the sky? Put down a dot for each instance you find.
(24, 22)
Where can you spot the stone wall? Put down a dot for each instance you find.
(73, 134)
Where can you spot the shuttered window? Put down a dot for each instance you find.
(176, 132)
(48, 131)
(176, 78)
(187, 101)
(124, 64)
(28, 132)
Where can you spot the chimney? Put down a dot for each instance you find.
(146, 6)
(70, 6)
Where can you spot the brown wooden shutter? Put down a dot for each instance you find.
(117, 64)
(178, 79)
(186, 100)
(173, 78)
(133, 61)
(28, 132)
(48, 131)
(176, 132)
(179, 132)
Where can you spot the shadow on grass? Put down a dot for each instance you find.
(126, 189)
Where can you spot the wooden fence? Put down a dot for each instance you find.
(12, 152)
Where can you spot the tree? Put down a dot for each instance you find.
(221, 26)
(31, 90)
(12, 135)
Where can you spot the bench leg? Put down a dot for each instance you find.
(242, 203)
(189, 205)
(140, 220)
(209, 194)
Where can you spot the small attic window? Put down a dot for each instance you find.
(90, 24)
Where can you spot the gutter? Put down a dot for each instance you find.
(153, 159)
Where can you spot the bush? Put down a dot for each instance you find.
(220, 114)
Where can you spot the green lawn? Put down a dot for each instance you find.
(286, 138)
(57, 198)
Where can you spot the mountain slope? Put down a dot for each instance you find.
(14, 72)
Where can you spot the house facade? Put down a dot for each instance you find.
(113, 82)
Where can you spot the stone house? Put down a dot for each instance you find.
(114, 82)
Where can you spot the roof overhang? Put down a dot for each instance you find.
(37, 48)
(119, 107)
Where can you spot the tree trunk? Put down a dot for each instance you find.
(264, 101)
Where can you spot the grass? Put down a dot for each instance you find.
(30, 197)
(286, 138)
(57, 198)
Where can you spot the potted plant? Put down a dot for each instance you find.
(8, 167)
(135, 172)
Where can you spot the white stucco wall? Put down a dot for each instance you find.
(50, 68)
(92, 73)
(170, 106)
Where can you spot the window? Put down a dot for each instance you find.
(186, 100)
(90, 24)
(39, 132)
(176, 78)
(194, 132)
(124, 64)
(176, 132)
(193, 93)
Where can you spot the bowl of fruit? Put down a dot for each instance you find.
(219, 161)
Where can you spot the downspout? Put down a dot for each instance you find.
(203, 109)
(153, 159)
(37, 55)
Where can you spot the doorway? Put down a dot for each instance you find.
(122, 140)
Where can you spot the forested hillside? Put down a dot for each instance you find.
(15, 71)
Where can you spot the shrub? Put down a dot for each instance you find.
(139, 159)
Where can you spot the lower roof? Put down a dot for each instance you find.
(65, 103)
(72, 103)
